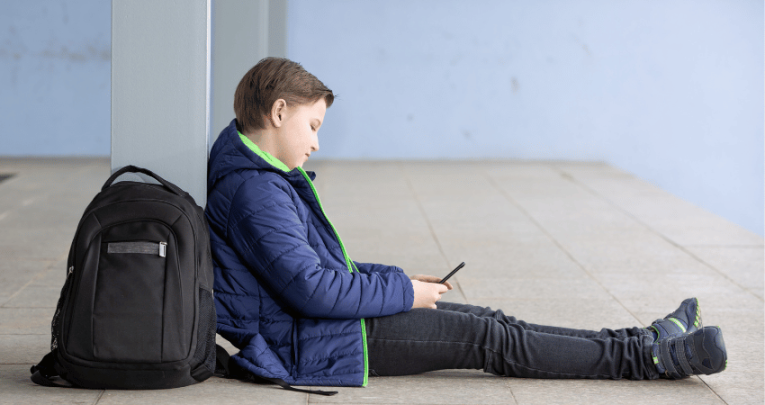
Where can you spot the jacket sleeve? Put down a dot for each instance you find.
(369, 268)
(271, 240)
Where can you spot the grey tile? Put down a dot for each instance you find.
(512, 260)
(23, 349)
(55, 276)
(15, 274)
(690, 391)
(439, 387)
(43, 291)
(663, 290)
(17, 388)
(35, 296)
(681, 221)
(25, 321)
(214, 390)
(759, 292)
(532, 289)
(35, 243)
(643, 254)
(743, 264)
(738, 385)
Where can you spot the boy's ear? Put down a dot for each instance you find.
(277, 112)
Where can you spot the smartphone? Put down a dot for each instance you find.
(452, 273)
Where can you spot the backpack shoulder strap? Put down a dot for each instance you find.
(225, 367)
(42, 372)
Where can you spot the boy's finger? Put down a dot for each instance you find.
(446, 283)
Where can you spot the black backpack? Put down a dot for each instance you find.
(136, 310)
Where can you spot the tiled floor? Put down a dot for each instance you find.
(569, 244)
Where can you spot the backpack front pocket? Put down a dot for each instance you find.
(127, 306)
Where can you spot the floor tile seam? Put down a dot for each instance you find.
(98, 398)
(17, 364)
(399, 403)
(715, 245)
(51, 307)
(560, 246)
(36, 277)
(682, 248)
(430, 226)
(389, 403)
(509, 385)
(25, 334)
(711, 389)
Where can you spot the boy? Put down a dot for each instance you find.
(291, 299)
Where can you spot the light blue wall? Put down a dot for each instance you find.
(671, 91)
(55, 59)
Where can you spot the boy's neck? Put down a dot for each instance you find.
(266, 141)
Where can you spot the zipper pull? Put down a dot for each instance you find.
(71, 270)
(162, 249)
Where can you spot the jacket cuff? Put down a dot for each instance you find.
(408, 293)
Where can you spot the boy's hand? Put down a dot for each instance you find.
(426, 294)
(429, 279)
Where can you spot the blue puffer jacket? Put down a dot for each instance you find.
(286, 291)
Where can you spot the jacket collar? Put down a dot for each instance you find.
(273, 161)
(229, 153)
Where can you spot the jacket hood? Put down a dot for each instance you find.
(229, 154)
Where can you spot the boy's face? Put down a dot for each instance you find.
(298, 134)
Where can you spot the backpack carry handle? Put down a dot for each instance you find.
(135, 169)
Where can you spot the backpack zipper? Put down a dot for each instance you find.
(56, 326)
(138, 247)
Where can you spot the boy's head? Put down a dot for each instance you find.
(270, 80)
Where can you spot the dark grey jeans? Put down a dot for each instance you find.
(459, 336)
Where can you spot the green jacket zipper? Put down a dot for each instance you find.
(351, 265)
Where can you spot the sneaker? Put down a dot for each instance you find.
(700, 352)
(685, 319)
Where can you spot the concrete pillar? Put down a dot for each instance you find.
(244, 32)
(160, 89)
(175, 66)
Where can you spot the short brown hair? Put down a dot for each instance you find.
(270, 80)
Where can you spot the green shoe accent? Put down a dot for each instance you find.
(697, 322)
(677, 322)
(656, 330)
(685, 319)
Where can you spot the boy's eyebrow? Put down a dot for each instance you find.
(317, 120)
